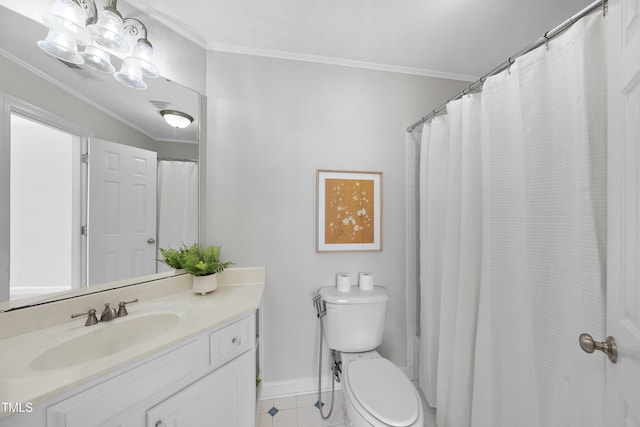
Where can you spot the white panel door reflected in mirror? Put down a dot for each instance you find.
(122, 211)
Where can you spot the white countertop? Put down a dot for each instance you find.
(19, 382)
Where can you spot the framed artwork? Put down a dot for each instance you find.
(349, 211)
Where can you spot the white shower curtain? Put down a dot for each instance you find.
(461, 263)
(177, 205)
(523, 250)
(433, 203)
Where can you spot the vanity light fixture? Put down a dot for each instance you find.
(75, 24)
(177, 119)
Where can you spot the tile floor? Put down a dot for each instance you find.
(300, 411)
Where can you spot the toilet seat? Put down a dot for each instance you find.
(383, 391)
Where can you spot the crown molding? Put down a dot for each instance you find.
(293, 56)
(244, 50)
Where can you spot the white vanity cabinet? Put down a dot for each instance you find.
(224, 397)
(209, 379)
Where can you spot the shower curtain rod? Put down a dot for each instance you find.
(549, 35)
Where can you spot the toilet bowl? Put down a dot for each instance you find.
(376, 392)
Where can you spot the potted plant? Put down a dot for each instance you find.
(203, 264)
(173, 258)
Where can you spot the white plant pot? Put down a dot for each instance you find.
(204, 284)
(179, 271)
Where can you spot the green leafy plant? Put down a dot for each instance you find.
(173, 257)
(199, 261)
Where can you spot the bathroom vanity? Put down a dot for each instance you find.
(176, 359)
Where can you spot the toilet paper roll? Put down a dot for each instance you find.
(365, 281)
(343, 282)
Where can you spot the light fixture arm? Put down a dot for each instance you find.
(90, 7)
(134, 26)
(92, 10)
(112, 7)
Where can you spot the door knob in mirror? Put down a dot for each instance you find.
(589, 345)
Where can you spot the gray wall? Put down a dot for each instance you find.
(271, 124)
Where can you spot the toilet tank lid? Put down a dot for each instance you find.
(355, 296)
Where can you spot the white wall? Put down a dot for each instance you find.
(271, 124)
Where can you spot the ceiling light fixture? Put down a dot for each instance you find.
(177, 119)
(77, 23)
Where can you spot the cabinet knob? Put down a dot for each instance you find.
(160, 423)
(236, 341)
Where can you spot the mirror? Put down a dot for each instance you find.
(39, 90)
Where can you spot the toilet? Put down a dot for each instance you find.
(376, 392)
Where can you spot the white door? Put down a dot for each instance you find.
(122, 212)
(623, 258)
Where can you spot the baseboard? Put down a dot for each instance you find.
(295, 387)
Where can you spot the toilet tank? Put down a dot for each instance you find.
(355, 320)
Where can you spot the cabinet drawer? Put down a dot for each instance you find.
(230, 341)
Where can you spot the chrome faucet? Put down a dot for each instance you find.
(108, 313)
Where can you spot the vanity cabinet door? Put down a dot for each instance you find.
(225, 397)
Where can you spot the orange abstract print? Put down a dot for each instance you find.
(349, 214)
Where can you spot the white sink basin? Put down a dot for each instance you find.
(105, 339)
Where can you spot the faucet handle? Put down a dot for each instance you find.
(108, 313)
(91, 317)
(122, 310)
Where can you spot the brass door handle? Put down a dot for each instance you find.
(589, 345)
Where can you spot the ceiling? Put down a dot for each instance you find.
(460, 39)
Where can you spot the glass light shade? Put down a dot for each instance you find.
(176, 119)
(61, 47)
(108, 31)
(98, 59)
(130, 74)
(69, 19)
(143, 51)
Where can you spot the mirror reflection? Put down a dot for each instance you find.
(95, 180)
